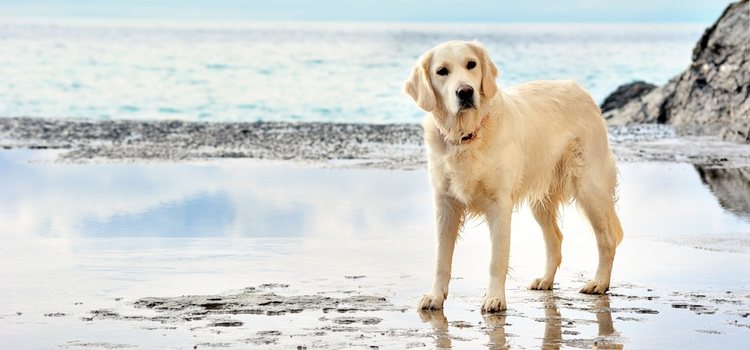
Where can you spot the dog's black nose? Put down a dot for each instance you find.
(465, 92)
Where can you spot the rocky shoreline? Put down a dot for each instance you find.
(711, 97)
(377, 145)
(388, 146)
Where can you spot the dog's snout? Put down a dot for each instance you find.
(465, 92)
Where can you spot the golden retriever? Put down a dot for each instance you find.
(542, 143)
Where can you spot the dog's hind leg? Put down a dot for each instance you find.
(545, 214)
(600, 211)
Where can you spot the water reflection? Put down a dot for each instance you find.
(604, 316)
(552, 323)
(496, 331)
(229, 198)
(200, 215)
(439, 323)
(731, 186)
(246, 198)
(552, 339)
(309, 226)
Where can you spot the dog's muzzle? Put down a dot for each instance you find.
(465, 94)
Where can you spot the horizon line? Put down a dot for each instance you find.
(17, 19)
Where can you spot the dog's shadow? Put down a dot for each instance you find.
(494, 325)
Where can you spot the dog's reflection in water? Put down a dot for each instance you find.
(604, 320)
(496, 331)
(438, 321)
(495, 328)
(553, 334)
(552, 324)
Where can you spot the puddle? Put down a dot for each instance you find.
(730, 186)
(241, 253)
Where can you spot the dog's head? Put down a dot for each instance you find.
(453, 81)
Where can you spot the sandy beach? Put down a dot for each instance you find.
(121, 240)
(252, 175)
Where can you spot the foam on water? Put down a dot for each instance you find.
(298, 71)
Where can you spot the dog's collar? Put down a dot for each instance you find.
(467, 139)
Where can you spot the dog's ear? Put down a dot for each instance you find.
(419, 86)
(489, 70)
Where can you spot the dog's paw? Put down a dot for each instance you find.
(493, 304)
(541, 284)
(432, 301)
(595, 287)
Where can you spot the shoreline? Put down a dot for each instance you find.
(386, 146)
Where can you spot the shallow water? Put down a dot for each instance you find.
(298, 71)
(77, 238)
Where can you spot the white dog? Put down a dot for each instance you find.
(543, 143)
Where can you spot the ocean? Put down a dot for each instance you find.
(297, 71)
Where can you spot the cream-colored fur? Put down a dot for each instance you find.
(543, 143)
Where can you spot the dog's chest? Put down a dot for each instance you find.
(468, 183)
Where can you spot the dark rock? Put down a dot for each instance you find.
(362, 320)
(251, 301)
(354, 277)
(272, 332)
(226, 323)
(712, 96)
(626, 93)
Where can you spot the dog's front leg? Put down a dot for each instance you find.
(498, 219)
(449, 215)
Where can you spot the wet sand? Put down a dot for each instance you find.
(323, 253)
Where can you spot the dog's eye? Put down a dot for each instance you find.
(443, 71)
(471, 65)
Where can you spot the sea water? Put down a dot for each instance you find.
(295, 71)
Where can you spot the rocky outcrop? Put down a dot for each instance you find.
(711, 97)
(626, 93)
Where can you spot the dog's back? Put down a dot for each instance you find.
(564, 139)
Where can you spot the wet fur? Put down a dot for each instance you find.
(542, 143)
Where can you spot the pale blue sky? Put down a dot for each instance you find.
(700, 11)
